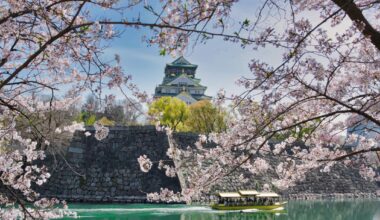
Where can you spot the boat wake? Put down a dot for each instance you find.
(278, 209)
(249, 210)
(151, 210)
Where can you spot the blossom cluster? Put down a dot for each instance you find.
(145, 163)
(18, 173)
(165, 195)
(101, 131)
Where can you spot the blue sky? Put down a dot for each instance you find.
(220, 63)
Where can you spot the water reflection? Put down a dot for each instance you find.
(231, 216)
(296, 210)
(337, 210)
(377, 215)
(303, 210)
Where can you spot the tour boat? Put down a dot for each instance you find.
(249, 200)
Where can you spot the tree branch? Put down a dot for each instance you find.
(358, 18)
(377, 149)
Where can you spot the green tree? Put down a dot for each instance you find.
(170, 111)
(87, 117)
(106, 122)
(205, 118)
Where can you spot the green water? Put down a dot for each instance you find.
(295, 210)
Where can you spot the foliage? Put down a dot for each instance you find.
(86, 117)
(170, 111)
(106, 122)
(200, 117)
(205, 118)
(89, 119)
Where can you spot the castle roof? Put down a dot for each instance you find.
(184, 79)
(186, 97)
(181, 62)
(168, 79)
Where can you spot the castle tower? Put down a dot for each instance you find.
(180, 82)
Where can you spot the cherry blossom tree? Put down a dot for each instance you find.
(326, 82)
(51, 47)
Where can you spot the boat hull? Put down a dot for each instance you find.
(259, 207)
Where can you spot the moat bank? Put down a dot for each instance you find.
(108, 171)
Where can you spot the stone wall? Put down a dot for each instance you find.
(108, 171)
(340, 182)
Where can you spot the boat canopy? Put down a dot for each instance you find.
(229, 195)
(248, 192)
(268, 194)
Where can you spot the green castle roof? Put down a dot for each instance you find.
(181, 62)
(184, 77)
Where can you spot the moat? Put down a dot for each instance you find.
(295, 210)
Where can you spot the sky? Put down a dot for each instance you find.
(220, 63)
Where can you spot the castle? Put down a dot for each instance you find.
(180, 82)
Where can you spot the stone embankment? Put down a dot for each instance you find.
(108, 171)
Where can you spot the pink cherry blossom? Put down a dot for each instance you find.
(145, 163)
